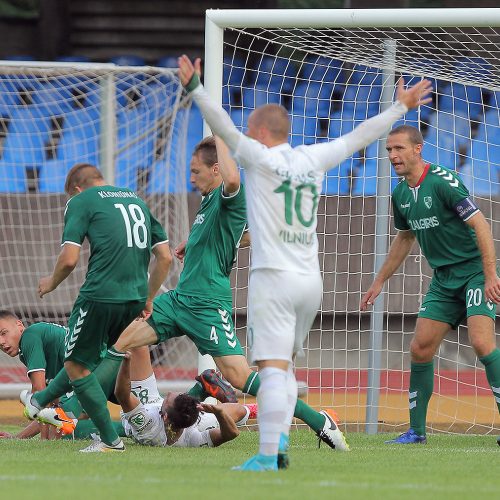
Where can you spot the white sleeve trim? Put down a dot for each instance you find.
(71, 243)
(228, 196)
(35, 370)
(471, 215)
(159, 243)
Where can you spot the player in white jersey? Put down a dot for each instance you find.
(283, 185)
(178, 420)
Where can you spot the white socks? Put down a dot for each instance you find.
(272, 399)
(292, 394)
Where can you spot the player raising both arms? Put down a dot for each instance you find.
(201, 305)
(285, 288)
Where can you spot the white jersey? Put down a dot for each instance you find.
(145, 426)
(283, 185)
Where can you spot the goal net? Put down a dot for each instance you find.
(332, 70)
(133, 124)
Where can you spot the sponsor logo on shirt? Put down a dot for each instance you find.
(425, 223)
(405, 205)
(428, 201)
(138, 419)
(302, 238)
(200, 219)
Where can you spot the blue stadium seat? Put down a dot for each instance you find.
(167, 62)
(255, 97)
(337, 179)
(12, 177)
(365, 182)
(481, 174)
(53, 175)
(19, 57)
(489, 127)
(25, 149)
(78, 148)
(467, 100)
(128, 60)
(160, 172)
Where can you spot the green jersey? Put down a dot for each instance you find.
(121, 232)
(42, 348)
(212, 245)
(435, 210)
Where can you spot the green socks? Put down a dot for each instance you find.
(303, 411)
(107, 371)
(420, 392)
(198, 392)
(492, 366)
(58, 386)
(94, 402)
(85, 428)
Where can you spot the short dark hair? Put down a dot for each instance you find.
(82, 175)
(183, 412)
(4, 313)
(413, 133)
(207, 151)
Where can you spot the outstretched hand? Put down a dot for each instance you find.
(187, 69)
(415, 95)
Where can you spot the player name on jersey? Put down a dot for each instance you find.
(117, 194)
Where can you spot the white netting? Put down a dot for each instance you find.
(133, 124)
(330, 80)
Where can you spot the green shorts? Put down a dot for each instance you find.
(456, 292)
(95, 326)
(207, 323)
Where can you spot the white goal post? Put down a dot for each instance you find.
(332, 69)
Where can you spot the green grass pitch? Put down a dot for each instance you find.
(449, 466)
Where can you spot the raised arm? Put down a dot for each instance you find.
(487, 248)
(398, 252)
(330, 154)
(227, 168)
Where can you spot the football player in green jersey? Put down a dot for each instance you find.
(41, 348)
(122, 234)
(432, 205)
(201, 305)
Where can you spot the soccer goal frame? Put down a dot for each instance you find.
(219, 21)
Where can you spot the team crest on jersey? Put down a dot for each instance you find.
(138, 419)
(200, 219)
(428, 201)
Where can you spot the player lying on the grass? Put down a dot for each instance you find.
(178, 420)
(41, 349)
(201, 305)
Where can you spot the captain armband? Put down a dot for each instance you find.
(466, 208)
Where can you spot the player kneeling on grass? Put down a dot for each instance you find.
(180, 420)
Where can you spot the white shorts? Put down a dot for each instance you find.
(282, 306)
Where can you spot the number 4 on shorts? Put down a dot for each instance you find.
(213, 335)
